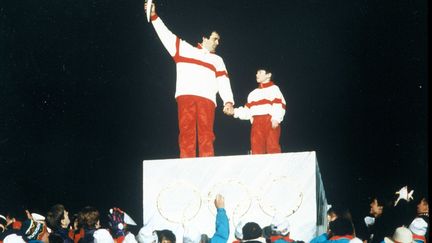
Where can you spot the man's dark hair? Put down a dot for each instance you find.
(205, 33)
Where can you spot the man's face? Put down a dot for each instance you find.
(375, 209)
(212, 42)
(423, 207)
(262, 76)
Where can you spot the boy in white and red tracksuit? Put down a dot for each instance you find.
(265, 109)
(200, 75)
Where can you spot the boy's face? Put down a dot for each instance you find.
(262, 76)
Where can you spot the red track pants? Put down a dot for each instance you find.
(264, 138)
(194, 113)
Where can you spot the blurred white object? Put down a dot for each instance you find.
(13, 238)
(128, 220)
(38, 218)
(369, 221)
(403, 194)
(102, 236)
(149, 7)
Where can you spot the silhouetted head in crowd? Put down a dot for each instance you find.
(379, 204)
(251, 230)
(423, 206)
(337, 212)
(204, 238)
(165, 236)
(341, 226)
(89, 218)
(57, 217)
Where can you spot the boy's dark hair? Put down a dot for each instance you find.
(267, 70)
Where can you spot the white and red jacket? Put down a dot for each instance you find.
(267, 99)
(199, 72)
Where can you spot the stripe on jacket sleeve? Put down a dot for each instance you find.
(221, 73)
(177, 58)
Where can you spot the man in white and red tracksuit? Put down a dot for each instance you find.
(265, 109)
(200, 75)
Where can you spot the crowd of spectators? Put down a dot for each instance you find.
(403, 220)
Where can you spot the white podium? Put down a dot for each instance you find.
(179, 193)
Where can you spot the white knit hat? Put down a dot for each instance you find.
(102, 236)
(13, 238)
(401, 235)
(281, 225)
(37, 217)
(191, 235)
(238, 233)
(146, 235)
(418, 226)
(355, 240)
(128, 220)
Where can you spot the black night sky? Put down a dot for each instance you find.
(87, 93)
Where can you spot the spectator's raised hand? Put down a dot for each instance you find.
(219, 201)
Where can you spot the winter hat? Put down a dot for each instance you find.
(32, 229)
(281, 225)
(355, 240)
(251, 230)
(147, 235)
(418, 226)
(126, 219)
(102, 236)
(267, 231)
(401, 235)
(238, 233)
(191, 236)
(13, 238)
(37, 217)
